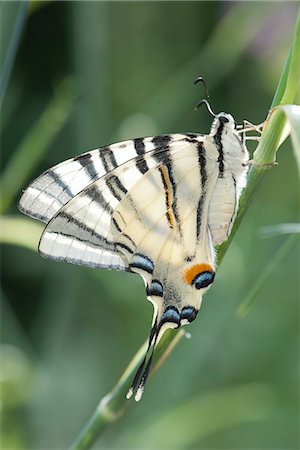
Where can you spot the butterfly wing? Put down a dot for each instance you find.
(155, 226)
(48, 193)
(80, 232)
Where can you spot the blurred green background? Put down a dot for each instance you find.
(86, 74)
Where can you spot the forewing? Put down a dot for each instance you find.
(81, 231)
(48, 193)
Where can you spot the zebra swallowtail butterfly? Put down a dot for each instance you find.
(154, 206)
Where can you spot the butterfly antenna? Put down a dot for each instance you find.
(208, 106)
(201, 80)
(205, 100)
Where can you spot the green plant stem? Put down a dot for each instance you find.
(113, 404)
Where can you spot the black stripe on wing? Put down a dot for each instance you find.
(96, 195)
(116, 187)
(140, 148)
(88, 165)
(56, 178)
(67, 225)
(162, 143)
(105, 156)
(219, 145)
(203, 176)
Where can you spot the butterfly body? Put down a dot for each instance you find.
(152, 206)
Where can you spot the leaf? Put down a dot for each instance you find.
(13, 17)
(292, 113)
(279, 229)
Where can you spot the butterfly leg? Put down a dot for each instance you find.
(252, 162)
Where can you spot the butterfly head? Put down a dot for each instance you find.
(222, 122)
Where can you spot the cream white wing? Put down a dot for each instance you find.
(48, 193)
(81, 231)
(232, 171)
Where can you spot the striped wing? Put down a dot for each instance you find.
(155, 225)
(81, 231)
(57, 186)
(153, 219)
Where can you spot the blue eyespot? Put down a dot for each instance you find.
(189, 313)
(171, 314)
(155, 289)
(203, 279)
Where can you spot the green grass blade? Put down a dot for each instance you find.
(37, 141)
(13, 17)
(292, 113)
(279, 230)
(246, 304)
(20, 231)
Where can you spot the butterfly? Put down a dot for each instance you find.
(154, 206)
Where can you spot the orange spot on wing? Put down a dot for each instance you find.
(190, 273)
